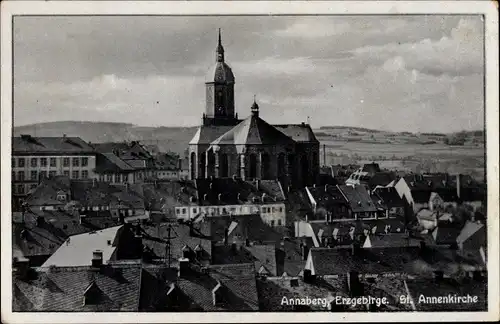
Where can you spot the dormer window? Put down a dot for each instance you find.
(92, 295)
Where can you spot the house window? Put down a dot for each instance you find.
(43, 174)
(66, 173)
(20, 176)
(34, 162)
(85, 161)
(66, 162)
(184, 211)
(20, 189)
(52, 162)
(34, 175)
(279, 222)
(75, 174)
(272, 223)
(52, 174)
(76, 162)
(177, 211)
(33, 186)
(263, 209)
(21, 162)
(13, 162)
(281, 209)
(195, 210)
(43, 162)
(85, 174)
(108, 177)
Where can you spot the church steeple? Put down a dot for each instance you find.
(220, 50)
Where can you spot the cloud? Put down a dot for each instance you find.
(395, 72)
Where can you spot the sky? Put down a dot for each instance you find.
(396, 73)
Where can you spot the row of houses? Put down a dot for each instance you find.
(225, 264)
(35, 158)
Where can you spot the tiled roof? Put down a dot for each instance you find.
(238, 288)
(381, 179)
(167, 162)
(155, 240)
(327, 197)
(469, 229)
(96, 193)
(298, 132)
(44, 238)
(253, 131)
(46, 192)
(446, 287)
(236, 191)
(445, 234)
(56, 145)
(331, 261)
(390, 197)
(248, 226)
(207, 134)
(77, 249)
(392, 240)
(359, 199)
(125, 151)
(265, 257)
(109, 162)
(62, 289)
(371, 168)
(169, 193)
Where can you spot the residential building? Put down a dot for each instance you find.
(35, 158)
(226, 146)
(124, 162)
(344, 203)
(371, 176)
(472, 236)
(93, 287)
(108, 244)
(391, 199)
(233, 196)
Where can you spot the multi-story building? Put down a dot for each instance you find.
(35, 158)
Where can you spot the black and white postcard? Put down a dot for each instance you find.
(249, 161)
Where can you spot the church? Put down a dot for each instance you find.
(250, 148)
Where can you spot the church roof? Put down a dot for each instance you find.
(207, 134)
(253, 131)
(297, 132)
(220, 72)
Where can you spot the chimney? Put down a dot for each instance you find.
(326, 188)
(219, 197)
(183, 267)
(179, 164)
(438, 276)
(204, 197)
(238, 197)
(20, 267)
(226, 235)
(40, 221)
(354, 285)
(263, 196)
(211, 185)
(304, 251)
(97, 259)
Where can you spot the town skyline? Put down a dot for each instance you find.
(350, 71)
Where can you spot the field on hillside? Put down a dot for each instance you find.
(410, 157)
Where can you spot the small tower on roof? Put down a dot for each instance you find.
(255, 108)
(220, 50)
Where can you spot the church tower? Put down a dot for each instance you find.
(219, 88)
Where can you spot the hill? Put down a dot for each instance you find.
(173, 139)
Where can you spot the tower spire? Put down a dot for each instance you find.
(220, 49)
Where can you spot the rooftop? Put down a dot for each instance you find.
(55, 145)
(79, 289)
(77, 249)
